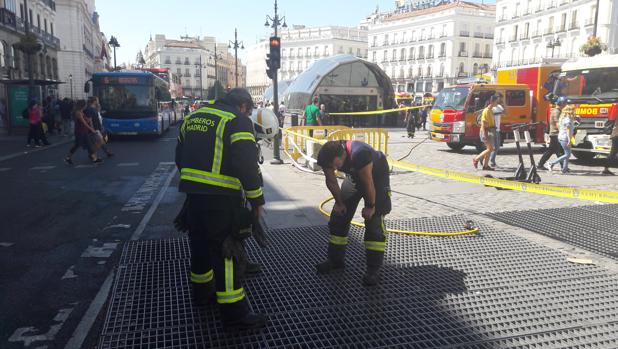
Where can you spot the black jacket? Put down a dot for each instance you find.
(217, 154)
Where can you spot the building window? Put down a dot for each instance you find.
(45, 22)
(51, 28)
(385, 39)
(443, 49)
(325, 51)
(402, 54)
(411, 56)
(385, 56)
(374, 56)
(394, 57)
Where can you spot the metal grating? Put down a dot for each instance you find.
(491, 290)
(594, 228)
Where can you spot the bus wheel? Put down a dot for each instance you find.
(455, 146)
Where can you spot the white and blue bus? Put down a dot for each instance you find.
(133, 102)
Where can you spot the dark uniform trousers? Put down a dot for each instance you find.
(375, 232)
(211, 221)
(554, 147)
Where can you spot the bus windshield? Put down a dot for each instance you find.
(452, 98)
(593, 84)
(127, 100)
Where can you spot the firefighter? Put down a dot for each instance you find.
(217, 159)
(367, 177)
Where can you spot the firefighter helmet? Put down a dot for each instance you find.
(265, 122)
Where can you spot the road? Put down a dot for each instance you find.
(62, 231)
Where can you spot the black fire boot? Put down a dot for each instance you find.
(250, 321)
(335, 260)
(374, 265)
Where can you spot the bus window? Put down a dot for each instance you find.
(515, 98)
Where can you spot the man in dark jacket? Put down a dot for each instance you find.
(218, 162)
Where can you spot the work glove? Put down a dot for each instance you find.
(259, 231)
(181, 222)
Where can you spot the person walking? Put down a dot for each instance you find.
(93, 111)
(66, 109)
(614, 150)
(324, 117)
(487, 134)
(498, 110)
(367, 177)
(83, 130)
(35, 121)
(423, 121)
(218, 162)
(566, 131)
(554, 128)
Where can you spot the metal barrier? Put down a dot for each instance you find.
(375, 137)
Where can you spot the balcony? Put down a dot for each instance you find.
(564, 2)
(488, 55)
(477, 55)
(549, 31)
(463, 54)
(187, 63)
(187, 75)
(536, 34)
(538, 9)
(464, 33)
(589, 22)
(167, 61)
(430, 56)
(500, 41)
(515, 16)
(552, 4)
(443, 35)
(561, 29)
(421, 56)
(489, 36)
(573, 26)
(478, 35)
(442, 55)
(502, 18)
(524, 37)
(513, 38)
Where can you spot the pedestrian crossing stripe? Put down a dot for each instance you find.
(42, 168)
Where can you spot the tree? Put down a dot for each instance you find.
(216, 90)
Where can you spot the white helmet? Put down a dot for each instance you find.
(265, 122)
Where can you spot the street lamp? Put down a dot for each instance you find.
(236, 44)
(276, 22)
(113, 42)
(553, 43)
(71, 84)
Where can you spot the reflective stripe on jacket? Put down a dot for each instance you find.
(217, 154)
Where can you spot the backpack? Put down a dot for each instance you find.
(25, 114)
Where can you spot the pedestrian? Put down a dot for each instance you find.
(324, 117)
(554, 128)
(614, 150)
(424, 114)
(66, 109)
(83, 130)
(312, 114)
(566, 131)
(93, 111)
(48, 114)
(218, 162)
(35, 121)
(498, 111)
(367, 177)
(487, 134)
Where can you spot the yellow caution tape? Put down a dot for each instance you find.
(376, 112)
(407, 232)
(545, 189)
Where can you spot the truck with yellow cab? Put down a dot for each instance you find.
(590, 84)
(456, 109)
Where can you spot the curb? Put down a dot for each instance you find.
(27, 152)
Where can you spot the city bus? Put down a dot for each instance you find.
(133, 102)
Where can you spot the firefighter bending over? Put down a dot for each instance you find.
(367, 177)
(217, 158)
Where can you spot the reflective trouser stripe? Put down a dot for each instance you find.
(239, 136)
(338, 240)
(375, 246)
(218, 157)
(254, 194)
(217, 180)
(230, 295)
(202, 278)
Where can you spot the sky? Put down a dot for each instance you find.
(133, 21)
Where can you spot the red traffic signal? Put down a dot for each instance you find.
(275, 52)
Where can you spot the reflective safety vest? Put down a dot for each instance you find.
(217, 154)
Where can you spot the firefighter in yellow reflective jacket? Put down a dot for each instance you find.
(217, 158)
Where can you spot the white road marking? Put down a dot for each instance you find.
(85, 324)
(70, 273)
(128, 164)
(145, 193)
(6, 244)
(123, 226)
(104, 251)
(42, 168)
(4, 169)
(22, 334)
(85, 166)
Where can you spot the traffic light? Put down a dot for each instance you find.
(269, 70)
(275, 52)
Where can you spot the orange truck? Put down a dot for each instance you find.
(591, 85)
(537, 80)
(456, 109)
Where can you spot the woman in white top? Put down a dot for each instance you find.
(498, 112)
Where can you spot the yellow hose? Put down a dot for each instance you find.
(397, 231)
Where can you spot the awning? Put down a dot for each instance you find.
(36, 82)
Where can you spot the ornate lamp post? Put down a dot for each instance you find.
(236, 45)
